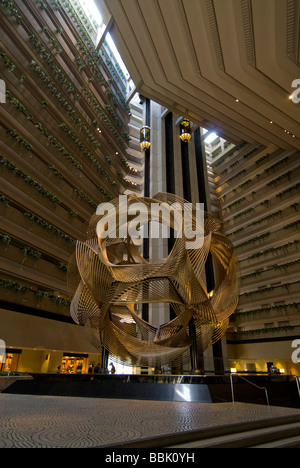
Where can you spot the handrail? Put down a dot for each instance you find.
(298, 384)
(260, 388)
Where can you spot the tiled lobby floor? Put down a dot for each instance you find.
(55, 422)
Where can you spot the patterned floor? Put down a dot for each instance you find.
(54, 422)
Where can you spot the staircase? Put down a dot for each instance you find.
(283, 432)
(285, 435)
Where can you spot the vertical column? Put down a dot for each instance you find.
(187, 195)
(170, 164)
(146, 247)
(147, 152)
(170, 176)
(185, 161)
(209, 268)
(104, 360)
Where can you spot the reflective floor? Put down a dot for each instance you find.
(56, 422)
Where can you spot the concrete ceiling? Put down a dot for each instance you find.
(197, 57)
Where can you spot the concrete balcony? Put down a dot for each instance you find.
(257, 180)
(263, 334)
(270, 294)
(287, 273)
(267, 314)
(266, 258)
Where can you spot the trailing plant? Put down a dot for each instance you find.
(57, 72)
(289, 190)
(285, 266)
(236, 176)
(38, 187)
(55, 171)
(103, 191)
(77, 141)
(55, 92)
(84, 197)
(244, 213)
(28, 251)
(262, 159)
(267, 330)
(20, 288)
(234, 233)
(42, 4)
(274, 250)
(5, 239)
(13, 11)
(8, 63)
(104, 116)
(81, 65)
(50, 228)
(62, 267)
(4, 199)
(55, 45)
(260, 238)
(277, 164)
(56, 4)
(251, 275)
(19, 139)
(279, 179)
(294, 225)
(268, 310)
(268, 289)
(73, 214)
(266, 218)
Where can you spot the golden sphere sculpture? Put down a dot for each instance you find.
(110, 280)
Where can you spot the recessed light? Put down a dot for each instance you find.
(237, 100)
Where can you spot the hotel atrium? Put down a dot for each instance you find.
(80, 80)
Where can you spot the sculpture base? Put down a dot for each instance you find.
(282, 390)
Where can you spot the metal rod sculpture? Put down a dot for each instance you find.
(110, 279)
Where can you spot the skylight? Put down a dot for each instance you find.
(118, 57)
(93, 13)
(99, 19)
(211, 137)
